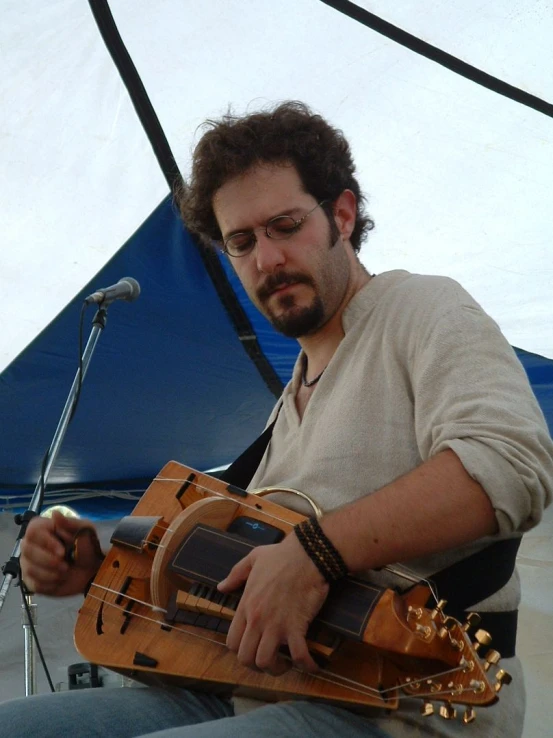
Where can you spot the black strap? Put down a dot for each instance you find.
(162, 150)
(441, 57)
(502, 626)
(241, 471)
(478, 576)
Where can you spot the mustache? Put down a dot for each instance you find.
(276, 281)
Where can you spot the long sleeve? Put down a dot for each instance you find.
(472, 396)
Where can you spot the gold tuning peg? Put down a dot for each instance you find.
(438, 610)
(427, 708)
(491, 658)
(483, 638)
(469, 715)
(447, 711)
(478, 686)
(502, 677)
(473, 618)
(448, 624)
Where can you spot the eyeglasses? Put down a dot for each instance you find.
(279, 228)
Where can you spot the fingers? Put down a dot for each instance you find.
(268, 658)
(42, 579)
(279, 602)
(259, 649)
(43, 564)
(44, 568)
(236, 630)
(80, 539)
(66, 528)
(243, 639)
(299, 653)
(237, 576)
(248, 648)
(255, 650)
(42, 540)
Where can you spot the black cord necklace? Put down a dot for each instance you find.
(304, 380)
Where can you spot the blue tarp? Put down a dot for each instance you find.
(170, 378)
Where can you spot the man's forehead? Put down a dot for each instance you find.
(263, 191)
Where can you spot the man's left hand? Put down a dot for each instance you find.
(284, 592)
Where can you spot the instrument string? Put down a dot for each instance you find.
(398, 570)
(215, 493)
(323, 674)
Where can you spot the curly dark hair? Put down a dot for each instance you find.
(289, 133)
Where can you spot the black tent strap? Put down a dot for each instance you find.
(139, 97)
(441, 57)
(240, 320)
(162, 150)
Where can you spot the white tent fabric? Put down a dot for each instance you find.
(459, 178)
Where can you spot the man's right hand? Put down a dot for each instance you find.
(44, 567)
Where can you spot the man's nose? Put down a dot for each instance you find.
(269, 253)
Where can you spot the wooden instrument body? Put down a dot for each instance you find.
(123, 623)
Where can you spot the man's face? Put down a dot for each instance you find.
(299, 283)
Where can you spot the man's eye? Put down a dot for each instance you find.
(240, 243)
(283, 226)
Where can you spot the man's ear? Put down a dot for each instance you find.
(345, 213)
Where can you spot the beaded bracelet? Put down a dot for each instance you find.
(320, 550)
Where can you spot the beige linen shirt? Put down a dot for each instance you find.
(421, 368)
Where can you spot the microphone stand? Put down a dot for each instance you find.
(11, 569)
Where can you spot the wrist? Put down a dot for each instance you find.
(320, 550)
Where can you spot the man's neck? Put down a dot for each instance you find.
(319, 347)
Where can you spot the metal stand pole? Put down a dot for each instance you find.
(30, 660)
(11, 568)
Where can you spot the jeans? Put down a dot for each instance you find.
(171, 713)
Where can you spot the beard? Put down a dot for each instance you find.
(297, 322)
(287, 318)
(294, 321)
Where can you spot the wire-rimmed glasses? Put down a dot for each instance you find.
(278, 228)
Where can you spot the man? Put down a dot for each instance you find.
(408, 419)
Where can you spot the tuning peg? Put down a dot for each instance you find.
(427, 708)
(447, 625)
(469, 715)
(447, 711)
(502, 677)
(424, 631)
(478, 686)
(483, 638)
(491, 658)
(473, 618)
(458, 645)
(438, 610)
(414, 613)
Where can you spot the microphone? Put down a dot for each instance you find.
(126, 289)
